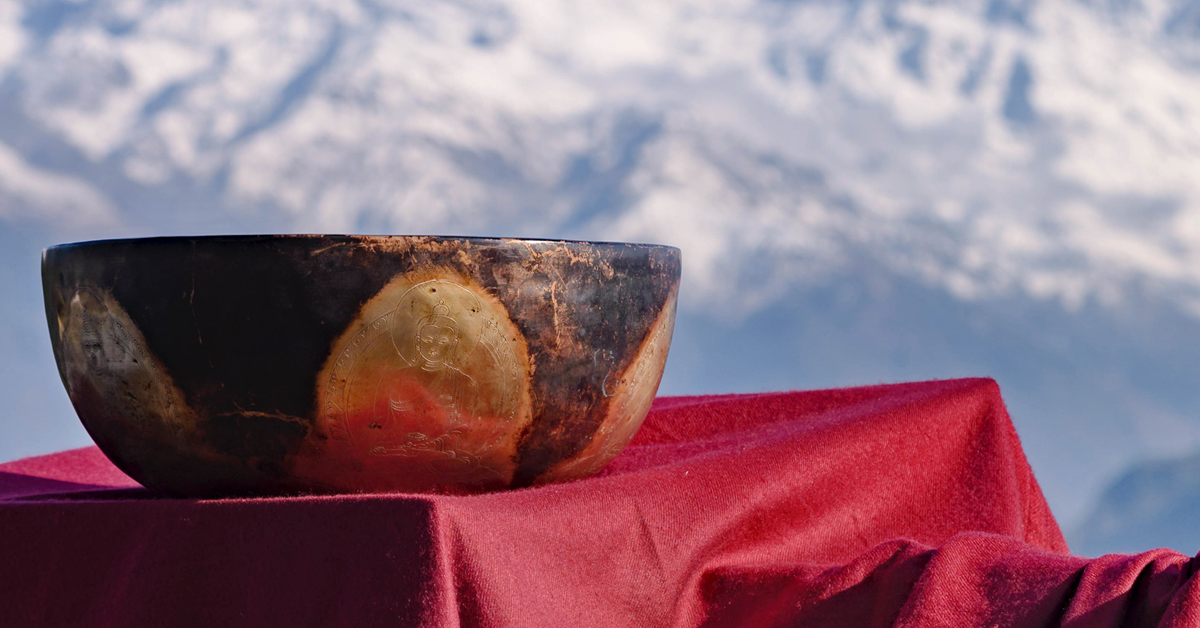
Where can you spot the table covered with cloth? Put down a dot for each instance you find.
(898, 505)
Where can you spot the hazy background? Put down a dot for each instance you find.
(864, 191)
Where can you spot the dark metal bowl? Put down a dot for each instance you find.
(240, 365)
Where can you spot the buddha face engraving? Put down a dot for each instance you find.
(435, 341)
(93, 347)
(437, 336)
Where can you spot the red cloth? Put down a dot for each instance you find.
(905, 505)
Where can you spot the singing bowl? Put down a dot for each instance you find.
(255, 365)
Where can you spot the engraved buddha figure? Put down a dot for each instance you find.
(109, 366)
(432, 397)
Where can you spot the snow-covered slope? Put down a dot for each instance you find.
(1030, 167)
(1045, 148)
(1153, 504)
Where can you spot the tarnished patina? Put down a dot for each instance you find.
(286, 364)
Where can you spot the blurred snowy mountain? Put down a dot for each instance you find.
(1153, 504)
(864, 190)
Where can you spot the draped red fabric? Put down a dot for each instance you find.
(901, 505)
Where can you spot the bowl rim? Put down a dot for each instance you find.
(347, 236)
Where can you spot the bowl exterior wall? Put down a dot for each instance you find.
(287, 364)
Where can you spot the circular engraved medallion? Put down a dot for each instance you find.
(112, 377)
(433, 371)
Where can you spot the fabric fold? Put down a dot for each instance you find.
(899, 505)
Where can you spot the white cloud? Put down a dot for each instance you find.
(12, 36)
(794, 137)
(30, 193)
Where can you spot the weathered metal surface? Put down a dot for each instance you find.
(286, 364)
